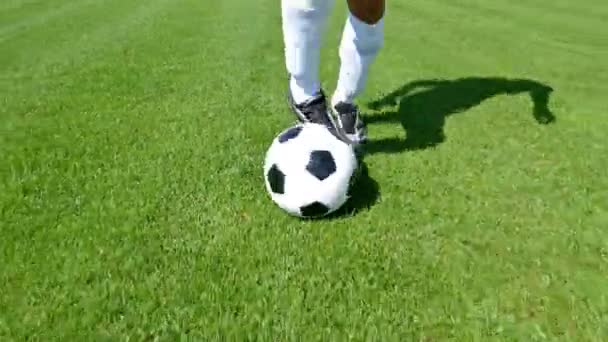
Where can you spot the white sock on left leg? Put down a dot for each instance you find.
(304, 22)
(359, 47)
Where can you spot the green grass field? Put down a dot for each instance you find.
(133, 205)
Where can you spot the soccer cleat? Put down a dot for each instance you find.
(349, 122)
(313, 110)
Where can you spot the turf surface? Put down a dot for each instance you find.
(132, 203)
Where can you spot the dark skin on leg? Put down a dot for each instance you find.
(368, 11)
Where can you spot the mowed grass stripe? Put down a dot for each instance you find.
(76, 35)
(65, 76)
(27, 18)
(593, 10)
(554, 26)
(496, 28)
(519, 13)
(14, 4)
(13, 11)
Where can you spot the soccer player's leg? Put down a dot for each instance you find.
(362, 39)
(304, 23)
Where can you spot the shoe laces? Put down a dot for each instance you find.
(346, 108)
(315, 109)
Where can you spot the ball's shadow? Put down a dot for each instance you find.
(363, 193)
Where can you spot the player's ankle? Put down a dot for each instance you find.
(340, 97)
(303, 91)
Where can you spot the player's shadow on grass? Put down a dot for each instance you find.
(422, 107)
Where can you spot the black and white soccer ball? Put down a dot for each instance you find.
(308, 171)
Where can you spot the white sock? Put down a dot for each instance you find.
(303, 25)
(359, 47)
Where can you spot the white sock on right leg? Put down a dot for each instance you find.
(360, 45)
(303, 25)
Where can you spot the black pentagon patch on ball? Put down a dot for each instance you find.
(290, 134)
(276, 179)
(315, 209)
(321, 164)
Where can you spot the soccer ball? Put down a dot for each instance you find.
(308, 171)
